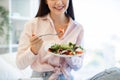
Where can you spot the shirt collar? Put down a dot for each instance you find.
(70, 24)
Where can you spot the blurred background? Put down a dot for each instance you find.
(101, 22)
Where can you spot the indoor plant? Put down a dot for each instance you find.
(4, 24)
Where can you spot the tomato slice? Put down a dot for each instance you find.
(61, 30)
(79, 52)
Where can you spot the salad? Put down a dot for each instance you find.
(69, 49)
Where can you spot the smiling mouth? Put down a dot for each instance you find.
(59, 8)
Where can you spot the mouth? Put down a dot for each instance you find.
(59, 8)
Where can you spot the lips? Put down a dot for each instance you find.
(59, 8)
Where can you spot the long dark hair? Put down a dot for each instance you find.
(44, 10)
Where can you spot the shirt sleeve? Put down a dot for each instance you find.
(77, 61)
(24, 55)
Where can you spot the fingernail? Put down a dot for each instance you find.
(33, 34)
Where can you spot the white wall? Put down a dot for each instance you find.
(100, 18)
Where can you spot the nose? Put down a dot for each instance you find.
(59, 2)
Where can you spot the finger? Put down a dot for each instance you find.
(37, 41)
(33, 38)
(33, 34)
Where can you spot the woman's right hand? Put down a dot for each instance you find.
(35, 44)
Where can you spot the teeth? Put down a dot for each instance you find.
(59, 7)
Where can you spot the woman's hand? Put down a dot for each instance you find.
(35, 44)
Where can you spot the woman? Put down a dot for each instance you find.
(52, 16)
